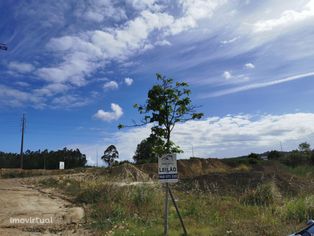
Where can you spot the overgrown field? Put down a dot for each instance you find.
(262, 199)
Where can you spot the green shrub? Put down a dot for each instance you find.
(300, 209)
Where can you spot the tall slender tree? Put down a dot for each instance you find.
(110, 154)
(167, 104)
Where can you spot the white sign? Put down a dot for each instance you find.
(167, 168)
(61, 165)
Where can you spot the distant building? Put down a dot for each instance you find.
(264, 157)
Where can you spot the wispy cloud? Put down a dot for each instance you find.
(81, 54)
(21, 67)
(16, 98)
(229, 41)
(234, 79)
(256, 85)
(287, 18)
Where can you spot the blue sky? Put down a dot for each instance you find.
(75, 68)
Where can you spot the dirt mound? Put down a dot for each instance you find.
(189, 168)
(197, 167)
(235, 183)
(129, 172)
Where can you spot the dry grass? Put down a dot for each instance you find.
(241, 202)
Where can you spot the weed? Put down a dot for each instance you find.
(263, 195)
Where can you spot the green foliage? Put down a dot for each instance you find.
(304, 147)
(145, 151)
(44, 159)
(150, 148)
(110, 154)
(167, 104)
(253, 156)
(299, 209)
(274, 155)
(263, 195)
(302, 170)
(296, 158)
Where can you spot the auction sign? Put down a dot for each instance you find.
(167, 168)
(61, 165)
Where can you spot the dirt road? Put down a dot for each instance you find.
(25, 210)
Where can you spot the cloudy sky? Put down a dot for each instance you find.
(76, 67)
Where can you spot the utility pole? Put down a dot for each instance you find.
(280, 146)
(22, 140)
(192, 151)
(97, 158)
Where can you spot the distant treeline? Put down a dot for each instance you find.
(43, 159)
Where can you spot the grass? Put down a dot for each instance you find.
(299, 209)
(264, 195)
(137, 210)
(302, 170)
(123, 210)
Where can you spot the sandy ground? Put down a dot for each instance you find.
(25, 203)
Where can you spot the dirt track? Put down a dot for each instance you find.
(19, 201)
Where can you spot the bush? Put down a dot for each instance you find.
(274, 155)
(263, 195)
(296, 158)
(300, 209)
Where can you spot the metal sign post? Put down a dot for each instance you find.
(168, 173)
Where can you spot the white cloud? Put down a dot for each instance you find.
(97, 11)
(194, 11)
(227, 136)
(21, 67)
(73, 70)
(69, 101)
(227, 75)
(144, 4)
(115, 114)
(229, 41)
(51, 89)
(16, 98)
(249, 66)
(230, 78)
(256, 85)
(287, 18)
(128, 81)
(87, 51)
(111, 85)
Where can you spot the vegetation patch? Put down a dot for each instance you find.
(264, 195)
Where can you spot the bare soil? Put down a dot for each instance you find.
(22, 201)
